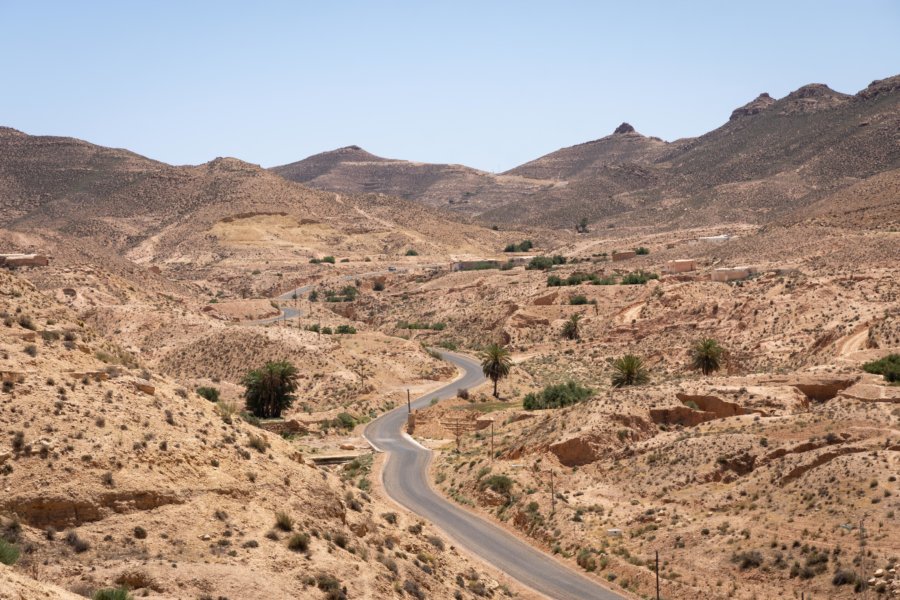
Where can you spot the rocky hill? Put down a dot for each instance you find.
(772, 157)
(117, 476)
(465, 190)
(76, 198)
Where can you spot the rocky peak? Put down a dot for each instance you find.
(228, 163)
(879, 87)
(624, 128)
(755, 106)
(812, 97)
(9, 131)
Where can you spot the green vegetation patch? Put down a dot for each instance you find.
(557, 396)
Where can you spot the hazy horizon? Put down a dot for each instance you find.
(489, 87)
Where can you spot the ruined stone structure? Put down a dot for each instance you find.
(13, 261)
(680, 266)
(626, 254)
(733, 273)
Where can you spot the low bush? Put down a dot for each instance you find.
(557, 396)
(888, 367)
(750, 559)
(111, 594)
(638, 278)
(586, 560)
(542, 263)
(500, 484)
(9, 553)
(299, 542)
(210, 393)
(415, 326)
(284, 521)
(523, 246)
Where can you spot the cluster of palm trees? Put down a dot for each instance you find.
(706, 356)
(270, 389)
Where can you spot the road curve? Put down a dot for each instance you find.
(405, 478)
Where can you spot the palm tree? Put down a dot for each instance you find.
(706, 356)
(495, 364)
(270, 389)
(570, 329)
(629, 370)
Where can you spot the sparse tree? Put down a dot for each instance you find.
(706, 356)
(582, 226)
(570, 329)
(629, 370)
(495, 364)
(270, 389)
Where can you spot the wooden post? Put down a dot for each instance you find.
(657, 575)
(408, 403)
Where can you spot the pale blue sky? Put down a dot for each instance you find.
(488, 84)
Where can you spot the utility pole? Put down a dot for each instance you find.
(492, 442)
(657, 575)
(458, 426)
(863, 580)
(552, 495)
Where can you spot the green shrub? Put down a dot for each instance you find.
(500, 484)
(578, 300)
(346, 420)
(750, 559)
(112, 594)
(557, 396)
(641, 251)
(299, 542)
(346, 329)
(638, 278)
(210, 393)
(378, 286)
(523, 246)
(9, 553)
(585, 560)
(887, 366)
(542, 263)
(432, 326)
(843, 577)
(284, 521)
(411, 252)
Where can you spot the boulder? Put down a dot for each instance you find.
(145, 388)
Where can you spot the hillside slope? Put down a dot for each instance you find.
(771, 158)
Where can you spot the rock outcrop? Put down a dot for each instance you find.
(755, 106)
(624, 128)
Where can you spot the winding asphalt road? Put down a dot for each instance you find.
(405, 479)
